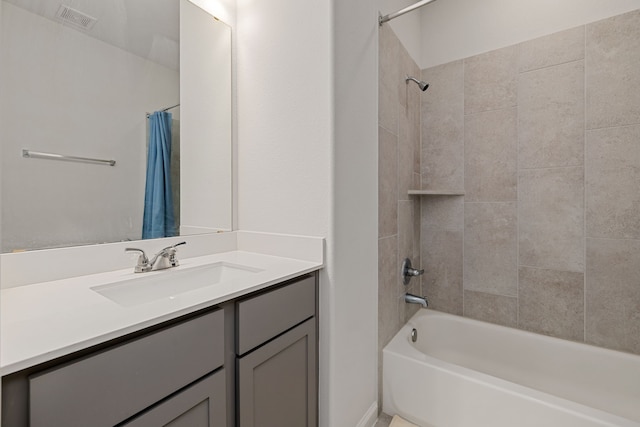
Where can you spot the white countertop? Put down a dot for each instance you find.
(46, 320)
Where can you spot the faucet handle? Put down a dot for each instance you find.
(143, 261)
(170, 252)
(178, 244)
(172, 248)
(407, 272)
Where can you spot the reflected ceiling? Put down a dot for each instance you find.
(146, 28)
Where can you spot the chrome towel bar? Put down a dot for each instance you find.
(39, 155)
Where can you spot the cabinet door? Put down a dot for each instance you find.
(277, 383)
(201, 405)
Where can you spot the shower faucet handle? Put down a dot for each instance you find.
(408, 272)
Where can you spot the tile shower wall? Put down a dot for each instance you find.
(398, 171)
(544, 139)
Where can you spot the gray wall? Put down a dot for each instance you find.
(544, 139)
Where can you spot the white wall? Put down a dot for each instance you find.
(284, 113)
(353, 250)
(455, 29)
(308, 165)
(47, 113)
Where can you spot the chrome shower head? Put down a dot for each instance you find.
(422, 85)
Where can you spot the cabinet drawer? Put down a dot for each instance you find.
(109, 387)
(267, 315)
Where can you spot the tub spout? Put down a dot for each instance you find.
(414, 299)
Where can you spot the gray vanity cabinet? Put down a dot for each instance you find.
(250, 362)
(277, 357)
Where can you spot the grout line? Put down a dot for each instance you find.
(518, 199)
(487, 202)
(419, 201)
(476, 113)
(464, 146)
(553, 167)
(492, 110)
(637, 239)
(550, 269)
(607, 127)
(552, 65)
(495, 294)
(584, 200)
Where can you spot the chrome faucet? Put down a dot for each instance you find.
(166, 258)
(414, 299)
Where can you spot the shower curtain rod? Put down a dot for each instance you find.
(163, 110)
(389, 17)
(169, 108)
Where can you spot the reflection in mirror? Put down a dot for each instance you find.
(80, 81)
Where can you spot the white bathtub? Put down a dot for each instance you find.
(465, 373)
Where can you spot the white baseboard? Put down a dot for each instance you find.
(370, 417)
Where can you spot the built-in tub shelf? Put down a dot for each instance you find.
(434, 193)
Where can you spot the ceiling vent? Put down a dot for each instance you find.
(75, 18)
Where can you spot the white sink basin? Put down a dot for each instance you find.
(153, 286)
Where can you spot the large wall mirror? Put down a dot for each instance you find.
(85, 78)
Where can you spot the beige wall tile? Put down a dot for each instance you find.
(388, 107)
(613, 80)
(490, 156)
(551, 116)
(497, 309)
(442, 260)
(388, 323)
(406, 232)
(416, 230)
(551, 218)
(490, 80)
(551, 302)
(389, 56)
(389, 74)
(410, 130)
(442, 153)
(387, 183)
(554, 49)
(613, 294)
(408, 94)
(443, 212)
(613, 182)
(407, 141)
(491, 247)
(414, 100)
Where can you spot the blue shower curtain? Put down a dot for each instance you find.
(158, 220)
